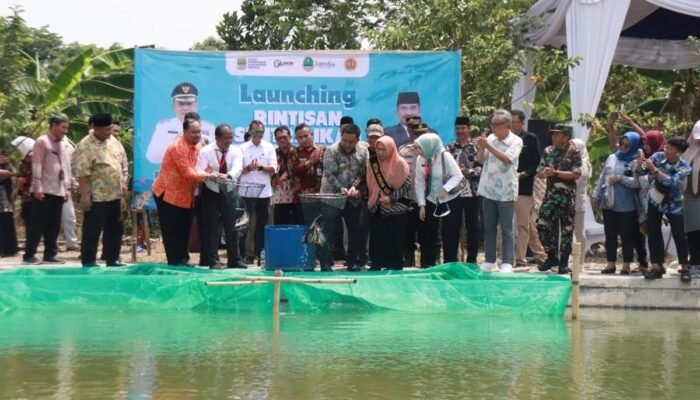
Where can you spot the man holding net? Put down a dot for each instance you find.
(343, 173)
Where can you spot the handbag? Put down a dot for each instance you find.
(461, 186)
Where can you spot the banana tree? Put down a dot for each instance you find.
(90, 83)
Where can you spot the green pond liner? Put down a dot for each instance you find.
(448, 288)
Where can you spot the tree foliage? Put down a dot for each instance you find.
(293, 25)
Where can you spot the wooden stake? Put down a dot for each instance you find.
(147, 232)
(276, 293)
(575, 306)
(233, 283)
(289, 279)
(134, 237)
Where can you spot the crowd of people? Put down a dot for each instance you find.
(521, 193)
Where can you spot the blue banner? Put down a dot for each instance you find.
(286, 88)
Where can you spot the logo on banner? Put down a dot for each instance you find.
(325, 64)
(256, 63)
(350, 64)
(241, 63)
(282, 64)
(308, 63)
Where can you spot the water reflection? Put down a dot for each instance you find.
(379, 355)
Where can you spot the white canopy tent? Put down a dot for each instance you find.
(650, 34)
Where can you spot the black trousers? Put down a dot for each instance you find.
(8, 234)
(104, 217)
(175, 225)
(385, 245)
(218, 211)
(258, 208)
(694, 246)
(640, 245)
(428, 242)
(287, 214)
(26, 215)
(413, 236)
(466, 208)
(356, 221)
(622, 224)
(656, 239)
(45, 222)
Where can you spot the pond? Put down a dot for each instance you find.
(380, 355)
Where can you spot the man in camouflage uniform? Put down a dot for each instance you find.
(560, 166)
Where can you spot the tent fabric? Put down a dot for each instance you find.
(592, 31)
(690, 7)
(600, 40)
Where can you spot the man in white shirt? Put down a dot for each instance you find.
(218, 199)
(498, 187)
(259, 164)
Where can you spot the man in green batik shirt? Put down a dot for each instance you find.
(561, 166)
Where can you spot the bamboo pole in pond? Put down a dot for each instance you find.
(290, 279)
(276, 293)
(233, 283)
(575, 305)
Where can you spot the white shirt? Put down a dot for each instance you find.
(499, 181)
(266, 156)
(210, 158)
(436, 179)
(166, 131)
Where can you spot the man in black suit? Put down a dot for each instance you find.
(407, 105)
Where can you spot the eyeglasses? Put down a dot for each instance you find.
(257, 133)
(441, 210)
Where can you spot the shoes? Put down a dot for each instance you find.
(505, 268)
(140, 249)
(238, 264)
(326, 268)
(552, 261)
(354, 268)
(685, 275)
(117, 264)
(487, 266)
(91, 265)
(564, 264)
(30, 261)
(695, 271)
(53, 260)
(72, 248)
(217, 266)
(520, 264)
(608, 270)
(654, 274)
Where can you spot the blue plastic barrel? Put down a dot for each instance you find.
(284, 249)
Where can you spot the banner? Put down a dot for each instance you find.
(286, 88)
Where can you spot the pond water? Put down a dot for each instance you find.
(191, 355)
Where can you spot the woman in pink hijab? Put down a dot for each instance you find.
(388, 183)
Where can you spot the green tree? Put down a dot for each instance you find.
(209, 43)
(294, 24)
(483, 30)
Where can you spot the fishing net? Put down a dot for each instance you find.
(449, 288)
(235, 192)
(318, 209)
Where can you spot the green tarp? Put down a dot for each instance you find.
(449, 288)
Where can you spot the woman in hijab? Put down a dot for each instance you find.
(617, 194)
(582, 194)
(388, 183)
(691, 201)
(667, 173)
(437, 174)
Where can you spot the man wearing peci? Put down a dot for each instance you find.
(184, 101)
(407, 106)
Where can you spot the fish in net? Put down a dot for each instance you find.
(315, 206)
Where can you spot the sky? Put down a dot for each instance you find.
(170, 24)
